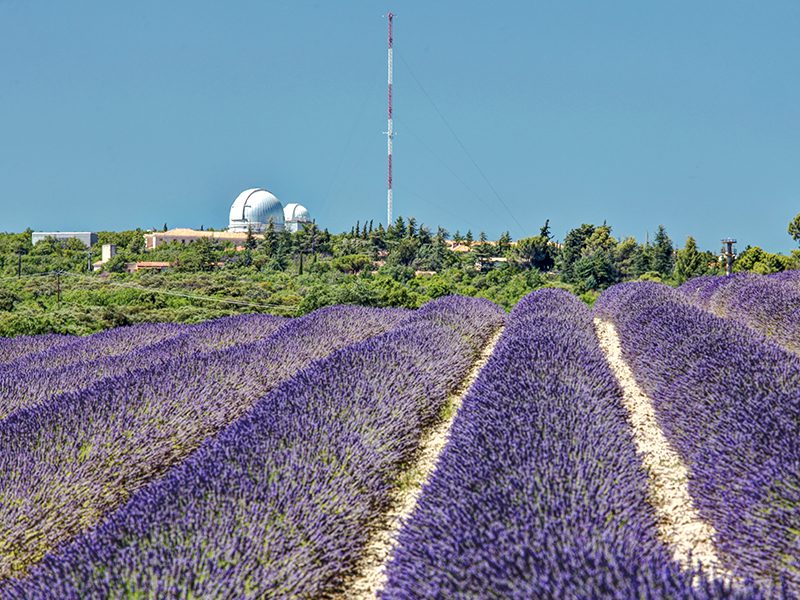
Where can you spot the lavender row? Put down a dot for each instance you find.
(68, 461)
(111, 342)
(539, 492)
(767, 304)
(729, 402)
(281, 503)
(17, 347)
(792, 277)
(29, 388)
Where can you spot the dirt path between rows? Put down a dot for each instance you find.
(679, 523)
(372, 569)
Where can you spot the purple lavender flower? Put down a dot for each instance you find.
(539, 492)
(281, 502)
(729, 402)
(69, 460)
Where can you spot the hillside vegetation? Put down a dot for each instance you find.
(49, 288)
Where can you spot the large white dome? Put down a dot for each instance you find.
(253, 209)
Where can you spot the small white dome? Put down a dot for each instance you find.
(296, 212)
(253, 209)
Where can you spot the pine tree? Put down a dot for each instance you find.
(545, 230)
(504, 243)
(270, 244)
(689, 262)
(400, 228)
(468, 238)
(250, 241)
(412, 228)
(663, 253)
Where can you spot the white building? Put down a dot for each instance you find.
(87, 238)
(253, 210)
(295, 216)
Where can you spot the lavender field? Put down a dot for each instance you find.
(646, 448)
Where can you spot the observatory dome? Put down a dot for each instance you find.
(296, 212)
(253, 209)
(295, 215)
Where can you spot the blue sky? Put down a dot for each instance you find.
(116, 115)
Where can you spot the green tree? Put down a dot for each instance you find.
(404, 252)
(504, 243)
(756, 260)
(269, 246)
(794, 228)
(398, 230)
(571, 250)
(689, 262)
(600, 239)
(250, 240)
(411, 231)
(537, 252)
(200, 255)
(625, 256)
(352, 263)
(663, 253)
(594, 271)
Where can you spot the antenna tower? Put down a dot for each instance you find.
(728, 254)
(390, 130)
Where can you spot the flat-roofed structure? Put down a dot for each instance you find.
(187, 236)
(87, 238)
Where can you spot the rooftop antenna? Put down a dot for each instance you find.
(390, 129)
(727, 253)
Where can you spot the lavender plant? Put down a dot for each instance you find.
(770, 305)
(24, 345)
(71, 459)
(539, 492)
(281, 502)
(111, 342)
(729, 402)
(26, 388)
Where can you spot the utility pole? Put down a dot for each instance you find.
(728, 254)
(19, 264)
(58, 286)
(314, 240)
(390, 130)
(301, 262)
(88, 261)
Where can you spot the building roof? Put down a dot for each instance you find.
(296, 212)
(183, 232)
(255, 207)
(151, 264)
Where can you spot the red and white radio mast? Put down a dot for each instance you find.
(389, 132)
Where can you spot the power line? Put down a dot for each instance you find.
(185, 295)
(460, 143)
(404, 188)
(446, 166)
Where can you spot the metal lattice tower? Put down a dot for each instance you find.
(728, 254)
(390, 130)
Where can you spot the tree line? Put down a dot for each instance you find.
(404, 264)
